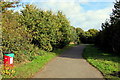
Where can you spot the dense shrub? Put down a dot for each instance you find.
(14, 38)
(47, 29)
(32, 30)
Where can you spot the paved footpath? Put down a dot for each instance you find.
(70, 64)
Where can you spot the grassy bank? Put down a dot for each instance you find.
(28, 69)
(107, 63)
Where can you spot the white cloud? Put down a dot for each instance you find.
(92, 19)
(76, 13)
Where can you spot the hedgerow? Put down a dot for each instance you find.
(32, 29)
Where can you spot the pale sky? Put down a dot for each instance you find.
(85, 14)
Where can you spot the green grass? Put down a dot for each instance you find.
(27, 70)
(107, 63)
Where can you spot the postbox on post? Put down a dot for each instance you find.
(8, 60)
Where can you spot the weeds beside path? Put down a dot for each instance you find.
(26, 70)
(107, 63)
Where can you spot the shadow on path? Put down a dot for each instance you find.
(74, 52)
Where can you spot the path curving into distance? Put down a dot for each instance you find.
(70, 64)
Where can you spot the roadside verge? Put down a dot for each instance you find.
(107, 63)
(28, 69)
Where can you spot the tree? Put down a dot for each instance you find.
(79, 33)
(47, 29)
(89, 36)
(5, 5)
(14, 36)
(109, 36)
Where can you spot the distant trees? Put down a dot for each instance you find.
(86, 36)
(79, 33)
(109, 37)
(89, 36)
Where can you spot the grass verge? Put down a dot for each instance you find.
(107, 63)
(27, 70)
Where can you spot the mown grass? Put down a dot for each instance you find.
(27, 70)
(107, 63)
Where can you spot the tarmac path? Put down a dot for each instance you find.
(70, 64)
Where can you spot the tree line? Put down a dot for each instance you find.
(109, 37)
(32, 30)
(86, 37)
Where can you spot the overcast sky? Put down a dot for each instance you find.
(85, 14)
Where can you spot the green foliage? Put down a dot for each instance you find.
(32, 30)
(5, 5)
(14, 38)
(109, 37)
(87, 36)
(79, 33)
(107, 63)
(47, 29)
